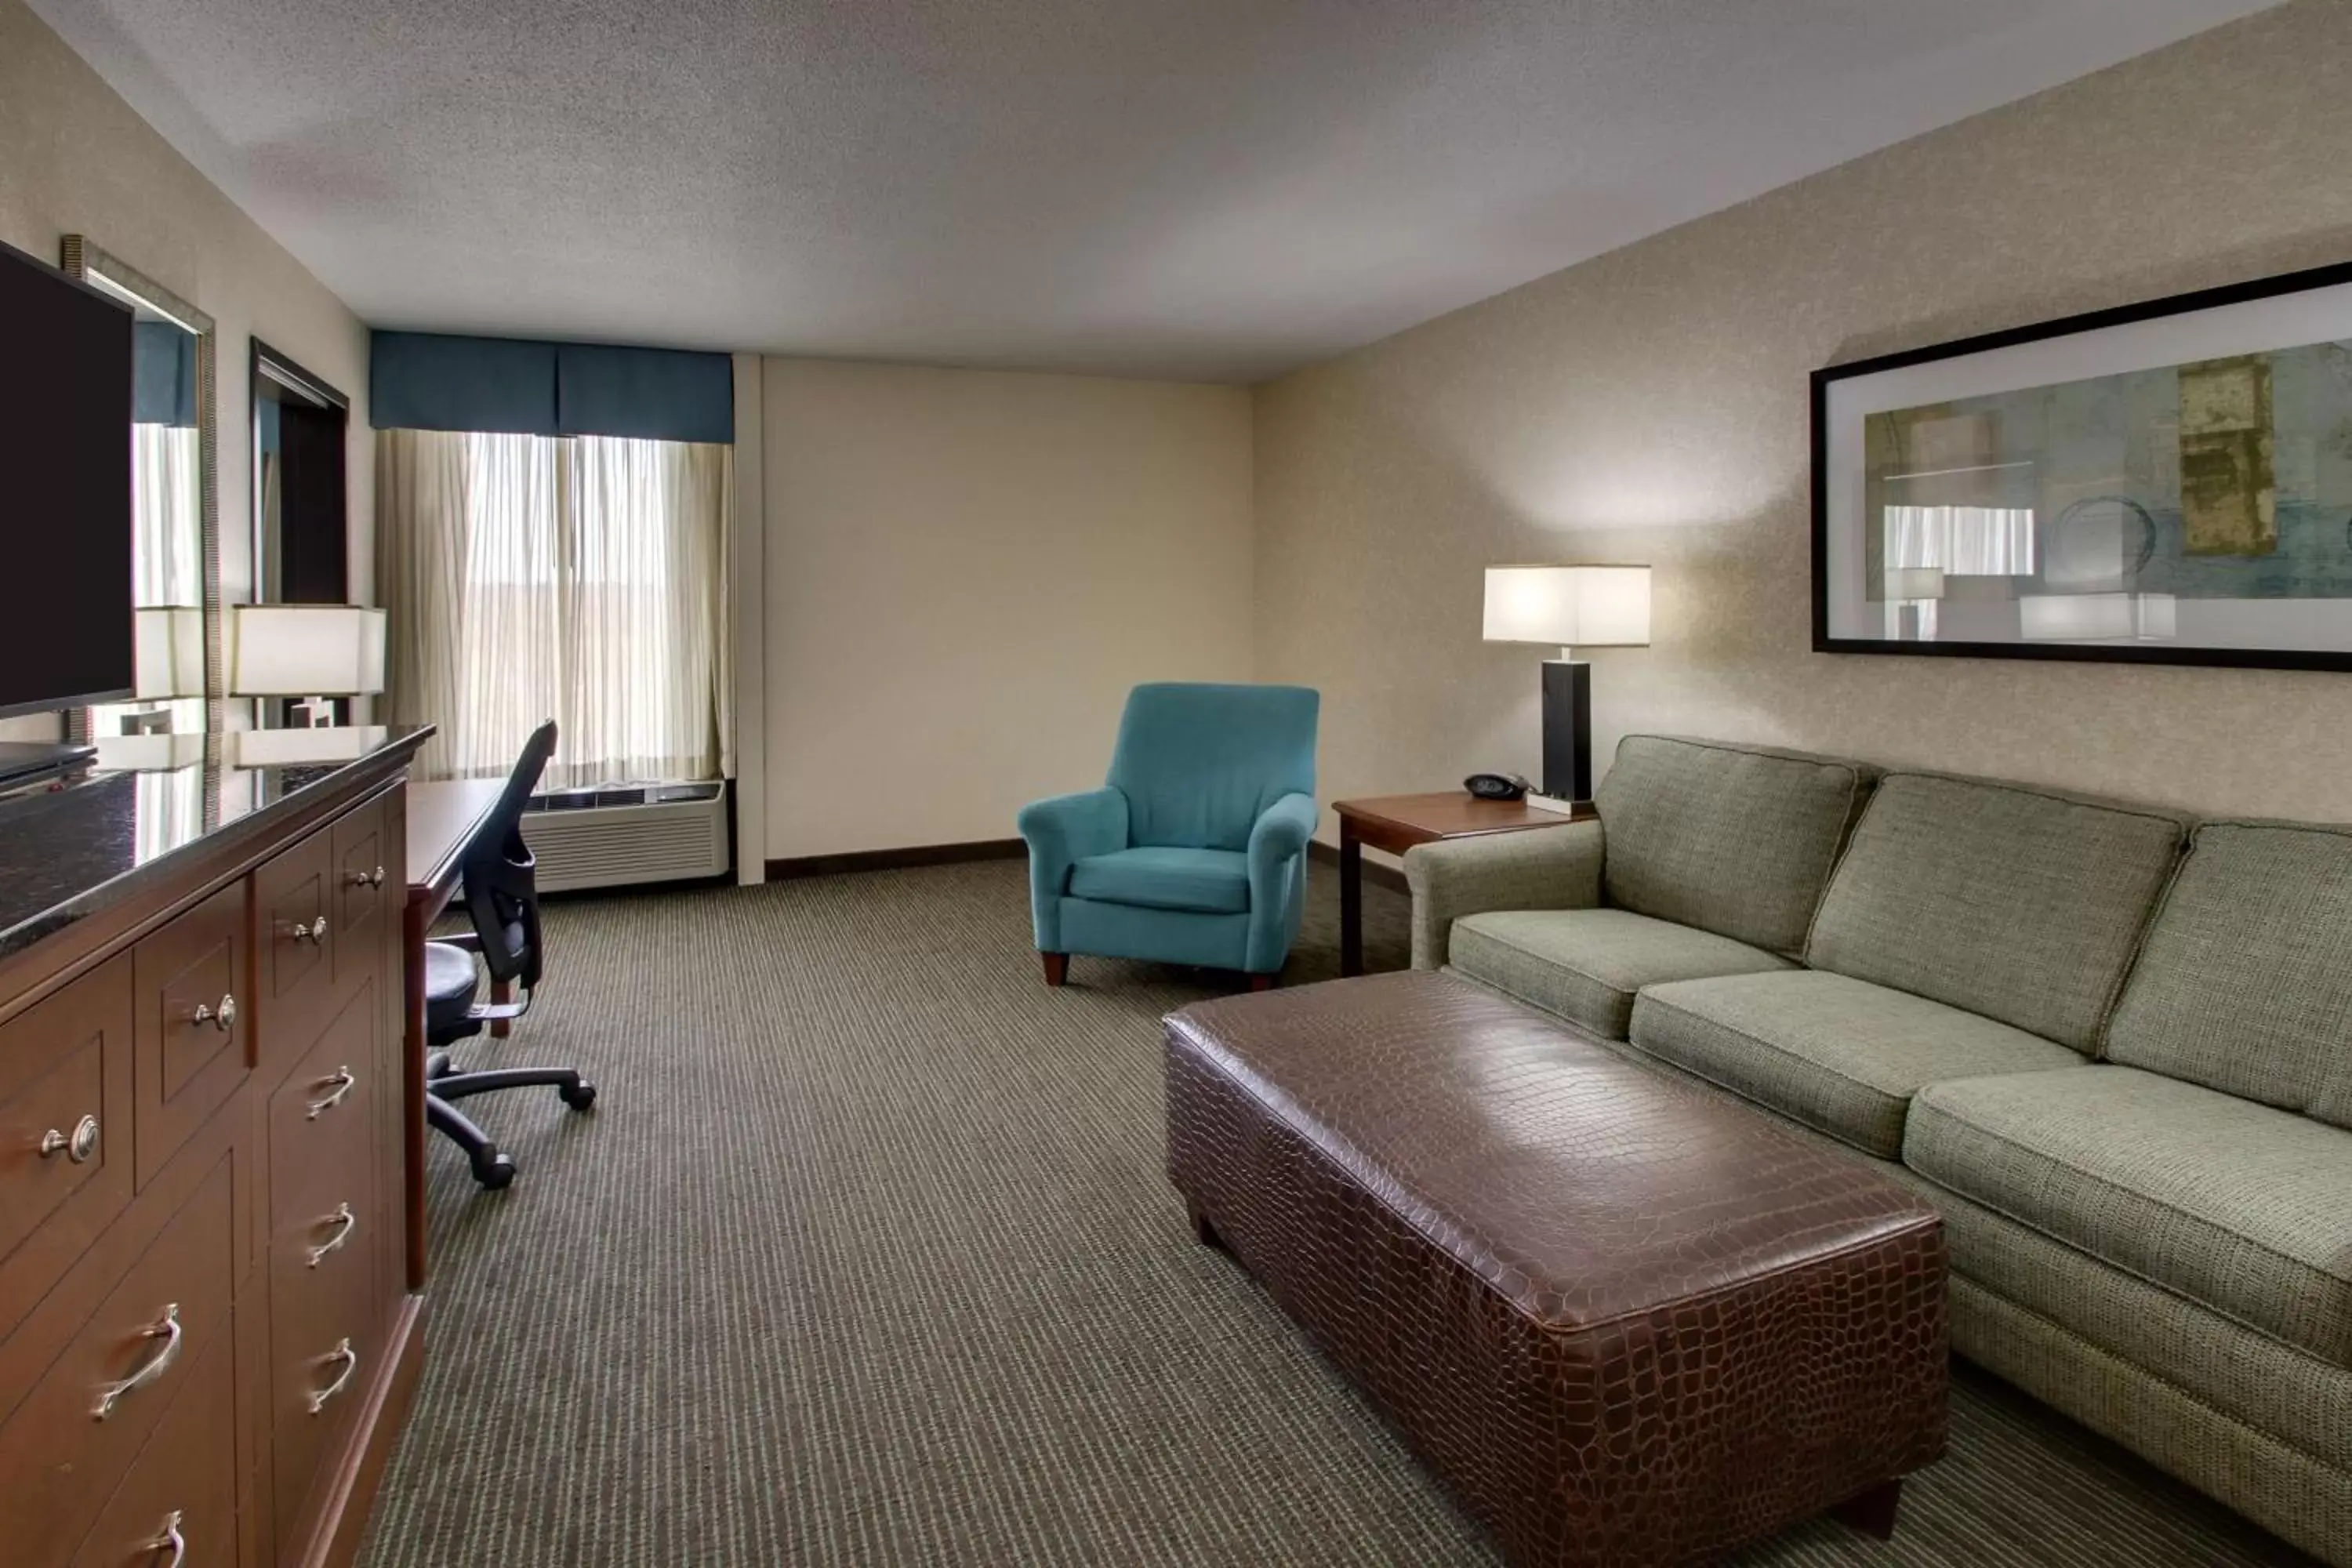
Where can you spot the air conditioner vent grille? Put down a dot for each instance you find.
(609, 846)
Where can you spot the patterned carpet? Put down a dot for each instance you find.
(865, 1258)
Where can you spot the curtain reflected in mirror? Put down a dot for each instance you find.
(171, 811)
(166, 539)
(172, 506)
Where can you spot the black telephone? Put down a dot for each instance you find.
(1497, 786)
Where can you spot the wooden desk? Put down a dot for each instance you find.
(1397, 822)
(441, 819)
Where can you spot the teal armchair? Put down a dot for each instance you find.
(1194, 851)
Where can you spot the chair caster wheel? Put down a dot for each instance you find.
(579, 1096)
(494, 1169)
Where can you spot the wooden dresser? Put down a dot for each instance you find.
(207, 1338)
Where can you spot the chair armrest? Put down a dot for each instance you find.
(1277, 865)
(1280, 832)
(1538, 869)
(1069, 827)
(1061, 831)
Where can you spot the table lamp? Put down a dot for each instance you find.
(313, 652)
(1593, 606)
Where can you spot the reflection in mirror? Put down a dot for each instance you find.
(171, 502)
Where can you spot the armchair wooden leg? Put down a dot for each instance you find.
(1057, 968)
(1262, 982)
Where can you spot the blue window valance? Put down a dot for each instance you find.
(425, 381)
(163, 374)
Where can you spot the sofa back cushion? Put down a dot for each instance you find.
(2244, 983)
(2021, 904)
(1737, 840)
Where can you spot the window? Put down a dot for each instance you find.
(579, 578)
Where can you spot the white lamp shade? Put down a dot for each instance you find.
(167, 652)
(1574, 607)
(304, 651)
(1910, 582)
(148, 753)
(2097, 617)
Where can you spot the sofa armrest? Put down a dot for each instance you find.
(1539, 869)
(1061, 831)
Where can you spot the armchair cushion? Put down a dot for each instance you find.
(1211, 881)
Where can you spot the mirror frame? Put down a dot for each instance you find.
(87, 263)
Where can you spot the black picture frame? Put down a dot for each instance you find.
(2333, 275)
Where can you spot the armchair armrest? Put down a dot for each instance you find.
(1061, 831)
(1281, 831)
(1277, 848)
(1540, 869)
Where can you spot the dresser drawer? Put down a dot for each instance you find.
(60, 1460)
(193, 1023)
(181, 1494)
(367, 893)
(294, 936)
(325, 1302)
(64, 1132)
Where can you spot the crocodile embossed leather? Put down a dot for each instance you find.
(1624, 1321)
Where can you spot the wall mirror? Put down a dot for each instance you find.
(302, 535)
(300, 530)
(176, 532)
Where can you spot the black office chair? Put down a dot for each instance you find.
(502, 896)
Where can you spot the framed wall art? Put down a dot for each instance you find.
(2168, 483)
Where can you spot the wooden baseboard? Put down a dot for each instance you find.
(351, 1496)
(1375, 874)
(897, 859)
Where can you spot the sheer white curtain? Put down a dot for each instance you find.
(166, 515)
(1964, 541)
(580, 579)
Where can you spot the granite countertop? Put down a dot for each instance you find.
(68, 853)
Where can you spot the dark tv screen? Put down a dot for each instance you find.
(65, 491)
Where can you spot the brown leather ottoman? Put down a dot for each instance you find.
(1625, 1322)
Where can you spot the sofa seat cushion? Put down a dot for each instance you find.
(1738, 840)
(1585, 965)
(2021, 904)
(1842, 1056)
(2243, 1209)
(1205, 882)
(2245, 982)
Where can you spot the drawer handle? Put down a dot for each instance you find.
(166, 1329)
(348, 1221)
(366, 880)
(340, 1084)
(77, 1146)
(171, 1540)
(314, 933)
(223, 1017)
(351, 1360)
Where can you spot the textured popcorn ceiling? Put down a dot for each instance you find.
(1218, 189)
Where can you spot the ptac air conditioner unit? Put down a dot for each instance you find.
(618, 837)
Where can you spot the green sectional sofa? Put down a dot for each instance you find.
(2111, 1043)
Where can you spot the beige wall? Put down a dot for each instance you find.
(75, 159)
(1652, 405)
(967, 570)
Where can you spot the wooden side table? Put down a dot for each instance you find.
(1397, 822)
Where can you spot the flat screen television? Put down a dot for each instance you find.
(65, 491)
